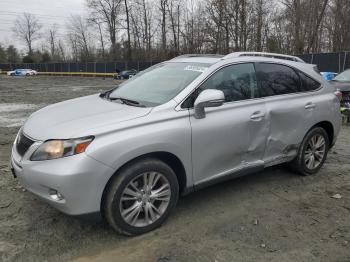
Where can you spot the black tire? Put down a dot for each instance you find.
(27, 74)
(112, 201)
(298, 164)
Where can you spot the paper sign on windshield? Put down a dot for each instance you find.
(195, 68)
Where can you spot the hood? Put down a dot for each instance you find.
(74, 118)
(342, 86)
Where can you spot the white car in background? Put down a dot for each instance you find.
(22, 72)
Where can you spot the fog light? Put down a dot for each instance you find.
(55, 195)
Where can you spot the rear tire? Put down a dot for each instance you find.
(312, 152)
(140, 197)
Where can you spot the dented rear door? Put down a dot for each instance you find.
(289, 112)
(288, 122)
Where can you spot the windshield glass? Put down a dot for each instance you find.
(345, 76)
(160, 83)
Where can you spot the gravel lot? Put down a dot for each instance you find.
(274, 215)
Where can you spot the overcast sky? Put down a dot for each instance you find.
(49, 12)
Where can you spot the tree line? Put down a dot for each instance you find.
(160, 29)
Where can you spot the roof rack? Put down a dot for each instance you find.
(199, 55)
(263, 54)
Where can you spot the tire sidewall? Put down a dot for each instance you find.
(123, 178)
(315, 131)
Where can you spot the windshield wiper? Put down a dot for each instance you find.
(123, 100)
(105, 94)
(108, 92)
(127, 101)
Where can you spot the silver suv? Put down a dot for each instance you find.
(176, 127)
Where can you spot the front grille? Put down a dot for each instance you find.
(23, 143)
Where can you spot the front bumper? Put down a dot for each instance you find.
(79, 178)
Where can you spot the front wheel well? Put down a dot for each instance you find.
(328, 127)
(170, 159)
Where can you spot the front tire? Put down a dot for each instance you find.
(140, 197)
(312, 152)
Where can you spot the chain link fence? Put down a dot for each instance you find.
(332, 62)
(329, 62)
(90, 67)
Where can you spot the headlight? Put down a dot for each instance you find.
(53, 149)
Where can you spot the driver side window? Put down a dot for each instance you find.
(237, 82)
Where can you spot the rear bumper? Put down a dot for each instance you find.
(79, 179)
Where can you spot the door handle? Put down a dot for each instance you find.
(310, 105)
(257, 116)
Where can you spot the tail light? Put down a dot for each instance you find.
(338, 94)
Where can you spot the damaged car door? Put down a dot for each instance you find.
(290, 108)
(230, 140)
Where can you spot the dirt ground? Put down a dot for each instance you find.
(273, 215)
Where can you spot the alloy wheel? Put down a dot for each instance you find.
(315, 151)
(145, 199)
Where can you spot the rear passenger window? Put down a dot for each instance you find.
(307, 83)
(274, 79)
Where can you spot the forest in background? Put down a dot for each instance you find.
(160, 29)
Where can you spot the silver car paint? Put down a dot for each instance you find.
(234, 137)
(80, 179)
(72, 118)
(228, 131)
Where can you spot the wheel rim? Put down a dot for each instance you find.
(145, 199)
(315, 151)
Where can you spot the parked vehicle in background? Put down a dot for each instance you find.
(22, 72)
(178, 126)
(342, 83)
(10, 73)
(343, 77)
(126, 74)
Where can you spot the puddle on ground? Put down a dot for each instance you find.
(11, 107)
(14, 115)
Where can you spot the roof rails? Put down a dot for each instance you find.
(262, 54)
(199, 55)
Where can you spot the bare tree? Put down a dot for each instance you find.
(61, 49)
(98, 24)
(259, 24)
(27, 28)
(109, 12)
(129, 57)
(173, 7)
(159, 29)
(338, 25)
(79, 37)
(52, 37)
(317, 25)
(163, 10)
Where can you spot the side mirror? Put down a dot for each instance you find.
(207, 98)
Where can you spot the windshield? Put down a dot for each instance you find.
(345, 76)
(160, 83)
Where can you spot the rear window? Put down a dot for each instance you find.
(307, 83)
